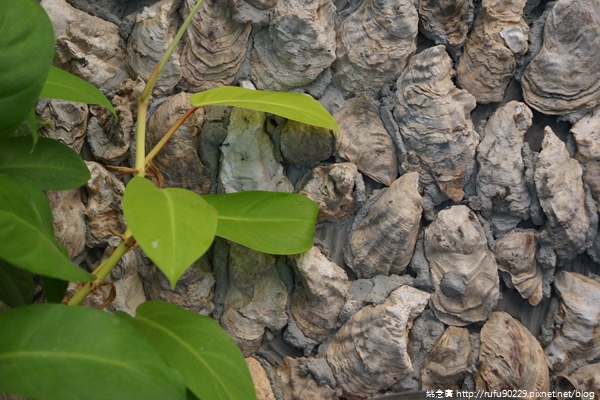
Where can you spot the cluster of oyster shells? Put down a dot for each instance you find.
(457, 241)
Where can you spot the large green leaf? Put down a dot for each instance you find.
(54, 289)
(173, 226)
(60, 352)
(212, 365)
(271, 222)
(16, 285)
(27, 236)
(26, 52)
(51, 165)
(296, 106)
(65, 86)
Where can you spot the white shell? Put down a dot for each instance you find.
(510, 357)
(587, 135)
(446, 365)
(571, 81)
(384, 241)
(285, 57)
(434, 120)
(572, 215)
(374, 44)
(577, 342)
(214, 48)
(68, 214)
(364, 141)
(489, 60)
(501, 182)
(370, 351)
(463, 269)
(446, 22)
(68, 122)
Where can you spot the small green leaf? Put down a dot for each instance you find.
(27, 44)
(53, 351)
(16, 285)
(65, 86)
(50, 165)
(212, 366)
(27, 236)
(271, 222)
(296, 106)
(173, 226)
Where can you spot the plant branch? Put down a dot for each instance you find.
(168, 135)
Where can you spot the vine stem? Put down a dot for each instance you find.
(140, 133)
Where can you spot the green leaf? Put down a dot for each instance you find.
(27, 43)
(16, 285)
(173, 226)
(271, 222)
(30, 127)
(212, 365)
(54, 289)
(27, 236)
(65, 86)
(53, 351)
(51, 165)
(296, 106)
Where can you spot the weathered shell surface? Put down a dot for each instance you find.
(87, 46)
(68, 122)
(463, 269)
(446, 364)
(305, 144)
(585, 379)
(446, 22)
(515, 253)
(489, 60)
(510, 357)
(572, 31)
(578, 340)
(214, 46)
(178, 160)
(369, 352)
(154, 29)
(364, 141)
(384, 241)
(127, 282)
(255, 300)
(247, 161)
(110, 140)
(286, 57)
(260, 380)
(68, 213)
(501, 182)
(103, 207)
(434, 121)
(374, 44)
(338, 190)
(572, 215)
(319, 294)
(298, 381)
(587, 135)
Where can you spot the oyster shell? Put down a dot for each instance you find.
(515, 253)
(577, 342)
(68, 122)
(571, 81)
(446, 22)
(319, 294)
(364, 141)
(338, 190)
(247, 161)
(305, 144)
(154, 29)
(384, 241)
(572, 215)
(262, 385)
(489, 59)
(87, 46)
(510, 357)
(587, 135)
(434, 120)
(68, 214)
(585, 379)
(370, 351)
(463, 269)
(298, 380)
(178, 160)
(446, 364)
(374, 44)
(256, 298)
(297, 47)
(501, 182)
(214, 47)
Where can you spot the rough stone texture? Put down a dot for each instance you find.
(447, 362)
(587, 136)
(446, 22)
(67, 122)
